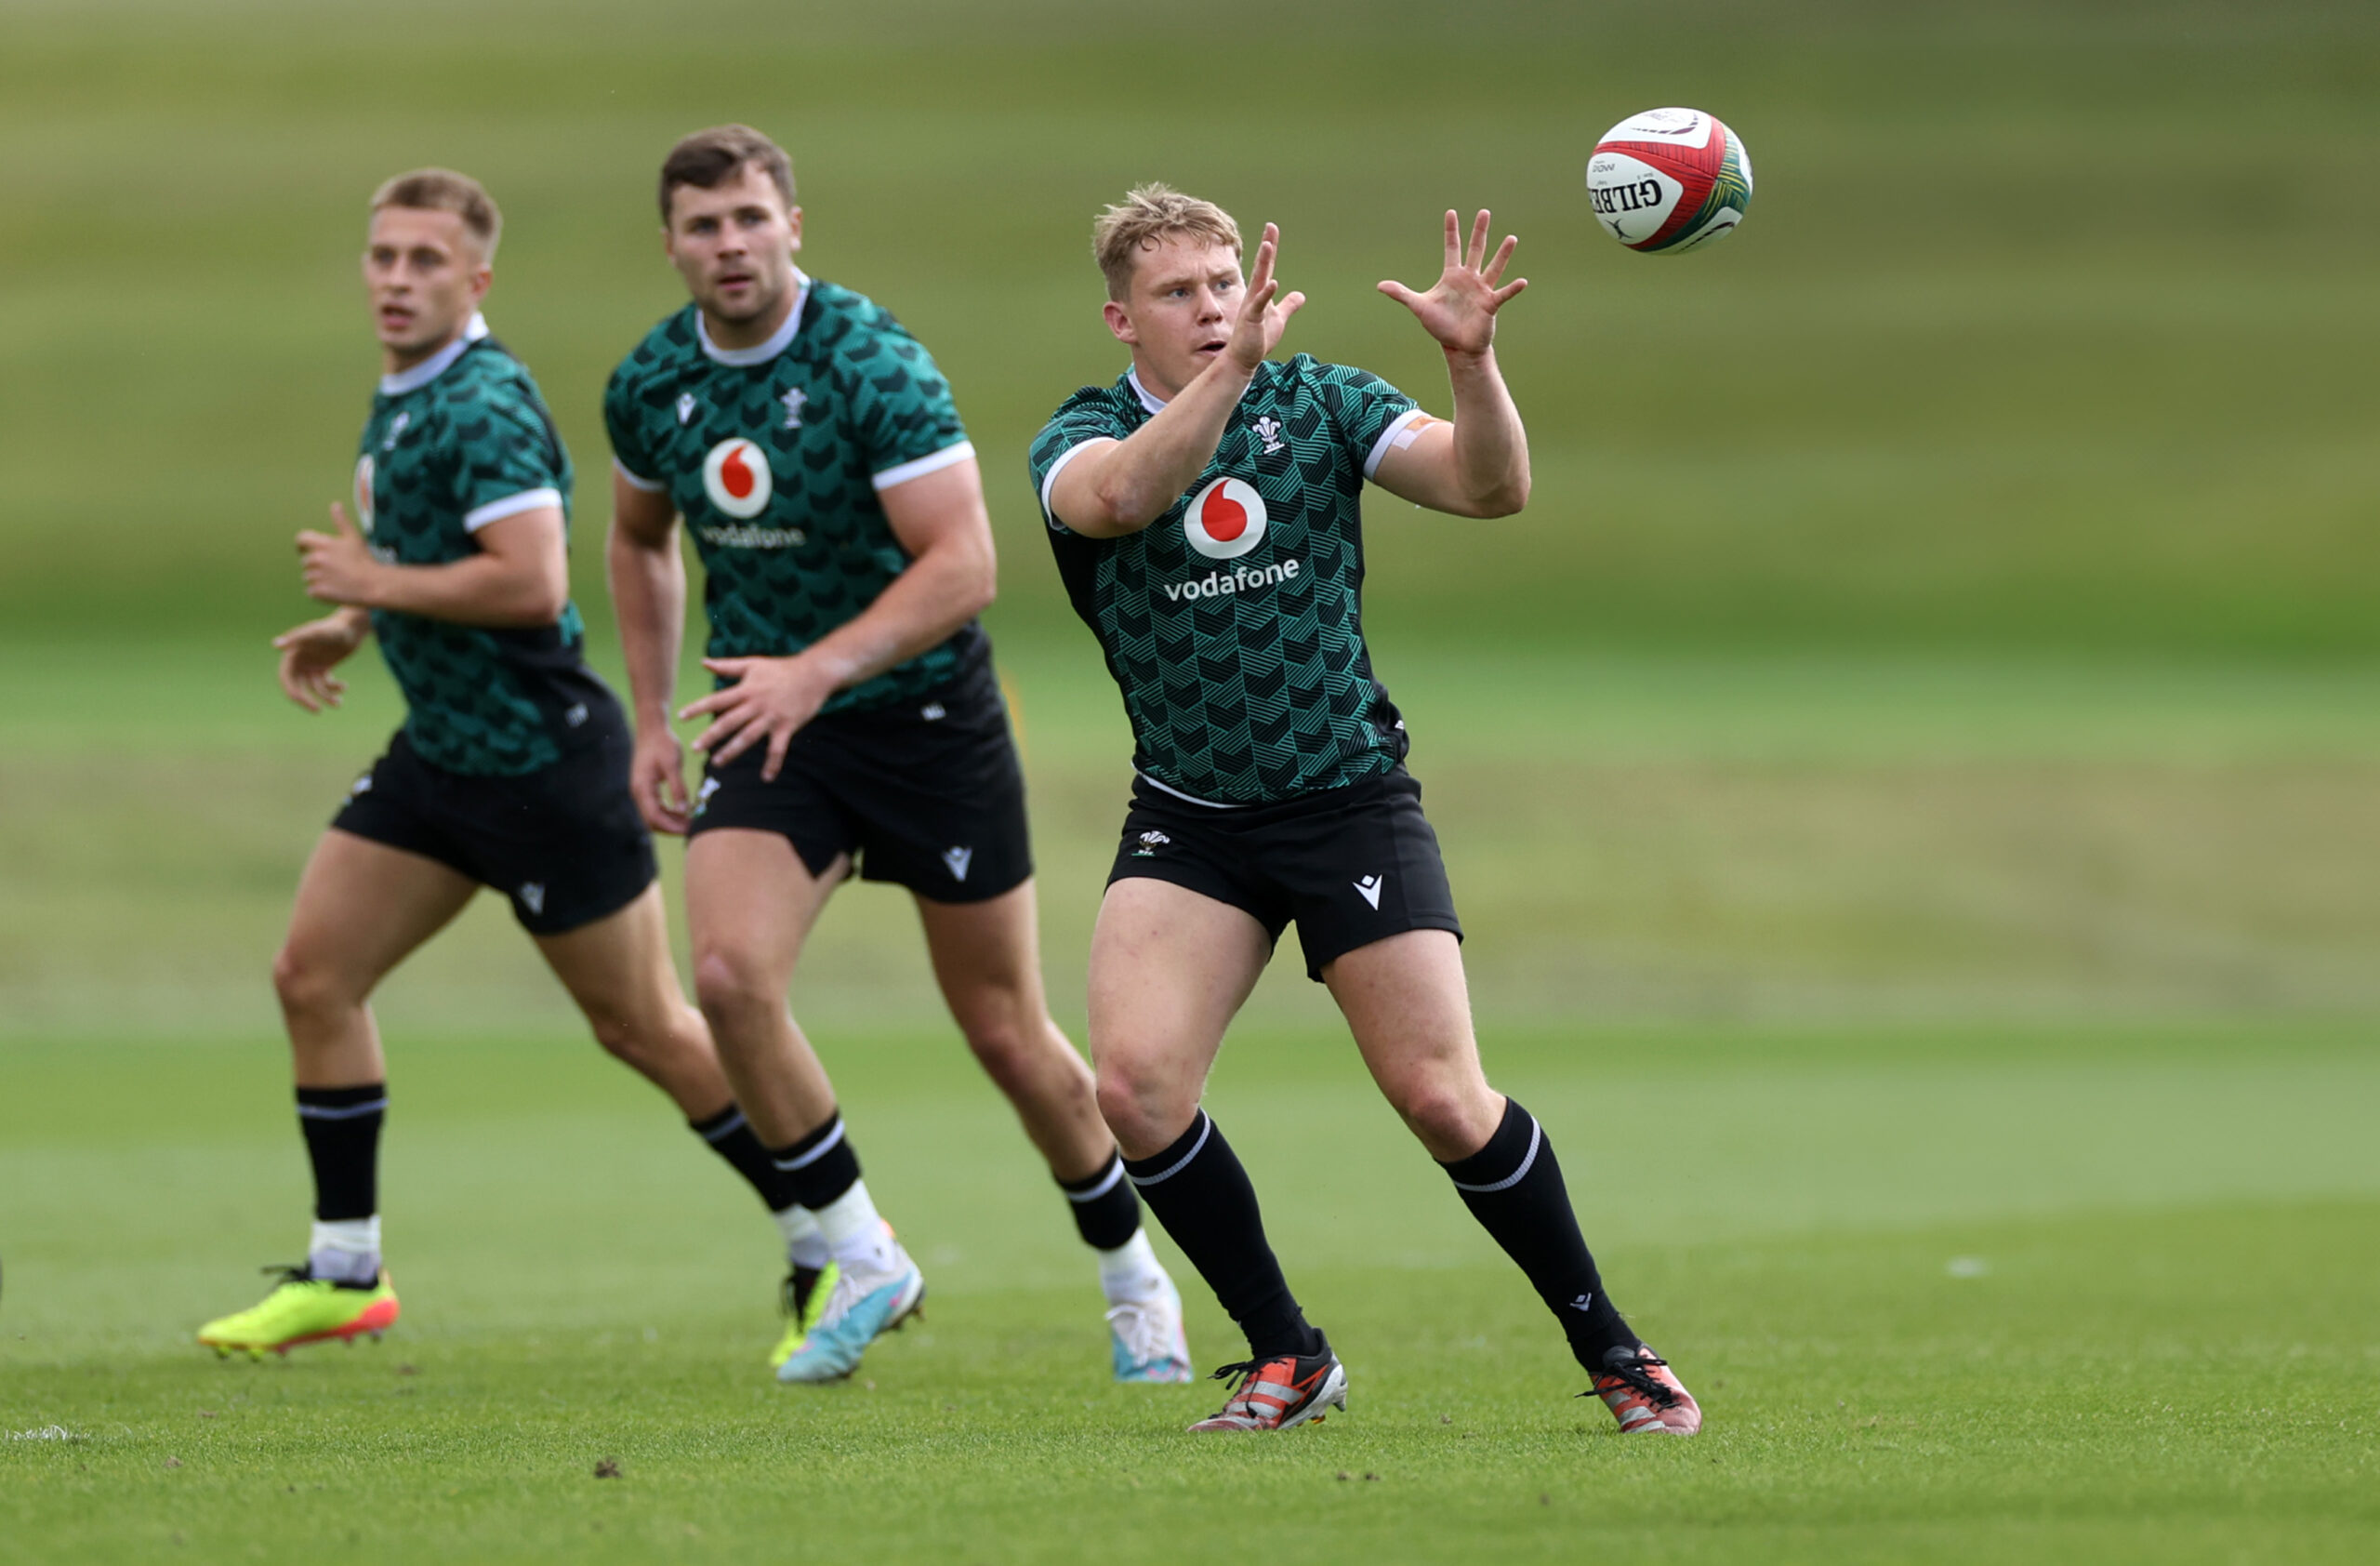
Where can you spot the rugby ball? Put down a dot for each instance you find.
(1669, 180)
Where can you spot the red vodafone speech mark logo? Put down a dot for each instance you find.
(736, 477)
(735, 474)
(1225, 520)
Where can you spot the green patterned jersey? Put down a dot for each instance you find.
(460, 441)
(776, 454)
(1234, 623)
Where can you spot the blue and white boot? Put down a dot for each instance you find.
(1149, 1343)
(864, 1303)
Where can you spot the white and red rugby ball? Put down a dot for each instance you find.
(1669, 180)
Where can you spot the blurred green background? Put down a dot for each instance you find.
(1914, 767)
(1950, 596)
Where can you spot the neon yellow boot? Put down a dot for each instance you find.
(303, 1309)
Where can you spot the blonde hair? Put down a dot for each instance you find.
(442, 190)
(1148, 216)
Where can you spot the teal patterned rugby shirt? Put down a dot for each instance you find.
(1234, 623)
(461, 440)
(774, 457)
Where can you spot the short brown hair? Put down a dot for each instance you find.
(442, 190)
(1147, 216)
(707, 157)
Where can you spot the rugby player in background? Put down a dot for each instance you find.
(510, 770)
(856, 726)
(1204, 510)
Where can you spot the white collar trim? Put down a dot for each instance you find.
(438, 364)
(1149, 399)
(779, 340)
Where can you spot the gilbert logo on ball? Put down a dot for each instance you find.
(1669, 180)
(735, 476)
(1224, 521)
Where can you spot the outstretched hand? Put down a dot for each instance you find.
(310, 652)
(1461, 311)
(1258, 328)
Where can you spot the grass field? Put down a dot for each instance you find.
(2093, 1295)
(1911, 778)
(1992, 1153)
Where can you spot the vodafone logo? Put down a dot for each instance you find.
(363, 470)
(1226, 520)
(735, 476)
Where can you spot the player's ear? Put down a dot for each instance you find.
(1120, 322)
(793, 221)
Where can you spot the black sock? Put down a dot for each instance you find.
(730, 1136)
(1513, 1186)
(819, 1167)
(342, 1127)
(1107, 1212)
(1202, 1196)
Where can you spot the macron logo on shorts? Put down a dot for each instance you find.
(957, 859)
(1370, 889)
(533, 896)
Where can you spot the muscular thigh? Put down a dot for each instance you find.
(1169, 967)
(362, 906)
(751, 901)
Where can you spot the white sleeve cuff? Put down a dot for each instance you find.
(1049, 480)
(636, 480)
(1400, 432)
(511, 505)
(934, 463)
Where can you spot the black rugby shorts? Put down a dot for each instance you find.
(563, 843)
(927, 794)
(1348, 866)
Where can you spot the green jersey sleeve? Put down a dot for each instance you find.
(1367, 411)
(626, 430)
(903, 419)
(507, 459)
(1091, 415)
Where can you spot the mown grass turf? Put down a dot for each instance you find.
(2047, 327)
(2072, 1296)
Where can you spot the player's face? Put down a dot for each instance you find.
(425, 275)
(733, 244)
(1178, 312)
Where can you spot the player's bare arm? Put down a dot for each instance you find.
(1477, 465)
(519, 578)
(941, 523)
(1203, 332)
(648, 580)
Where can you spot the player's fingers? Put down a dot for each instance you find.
(1495, 268)
(1290, 306)
(745, 735)
(1496, 301)
(778, 741)
(1401, 293)
(711, 703)
(1454, 238)
(1478, 251)
(345, 528)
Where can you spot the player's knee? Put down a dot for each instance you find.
(1442, 1113)
(307, 986)
(1005, 1051)
(729, 986)
(1139, 1106)
(617, 1033)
